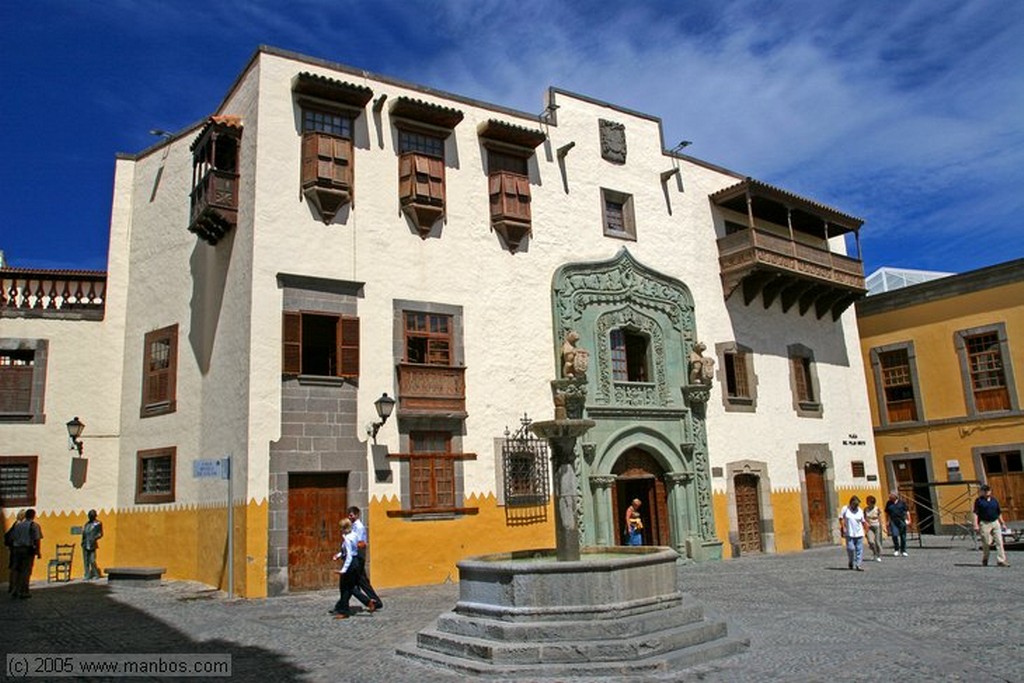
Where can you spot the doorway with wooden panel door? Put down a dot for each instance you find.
(317, 502)
(639, 476)
(818, 517)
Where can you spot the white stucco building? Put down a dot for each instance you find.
(329, 235)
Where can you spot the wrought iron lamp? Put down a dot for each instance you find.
(384, 405)
(75, 429)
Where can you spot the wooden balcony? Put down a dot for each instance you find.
(770, 266)
(59, 294)
(431, 390)
(214, 205)
(791, 262)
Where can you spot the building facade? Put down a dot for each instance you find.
(941, 359)
(328, 236)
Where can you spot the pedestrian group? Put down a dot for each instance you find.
(857, 524)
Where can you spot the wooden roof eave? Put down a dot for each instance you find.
(755, 188)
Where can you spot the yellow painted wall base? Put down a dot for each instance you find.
(189, 541)
(411, 552)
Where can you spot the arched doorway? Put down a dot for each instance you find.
(748, 513)
(638, 475)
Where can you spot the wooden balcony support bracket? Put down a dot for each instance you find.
(843, 303)
(808, 298)
(823, 304)
(773, 288)
(792, 293)
(754, 283)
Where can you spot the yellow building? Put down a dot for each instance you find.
(940, 359)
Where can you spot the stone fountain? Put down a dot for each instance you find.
(571, 611)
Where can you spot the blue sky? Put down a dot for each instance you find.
(909, 115)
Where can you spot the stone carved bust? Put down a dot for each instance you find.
(574, 360)
(702, 368)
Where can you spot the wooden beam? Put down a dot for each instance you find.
(792, 293)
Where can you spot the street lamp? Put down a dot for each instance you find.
(75, 429)
(384, 405)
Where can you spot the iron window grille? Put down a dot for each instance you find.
(525, 466)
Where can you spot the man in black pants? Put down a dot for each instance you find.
(898, 516)
(361, 543)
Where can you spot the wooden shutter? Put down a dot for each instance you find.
(348, 347)
(421, 166)
(494, 191)
(326, 160)
(803, 390)
(405, 177)
(444, 482)
(435, 170)
(16, 389)
(160, 370)
(291, 338)
(310, 158)
(341, 167)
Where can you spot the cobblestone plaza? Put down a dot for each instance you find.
(936, 615)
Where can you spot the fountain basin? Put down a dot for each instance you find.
(605, 583)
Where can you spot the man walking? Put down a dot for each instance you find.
(91, 533)
(988, 522)
(362, 539)
(25, 542)
(897, 515)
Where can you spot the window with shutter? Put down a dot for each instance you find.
(736, 380)
(319, 345)
(428, 338)
(432, 470)
(327, 177)
(617, 214)
(23, 380)
(986, 364)
(16, 373)
(629, 356)
(18, 480)
(897, 385)
(421, 184)
(155, 475)
(803, 381)
(160, 369)
(988, 380)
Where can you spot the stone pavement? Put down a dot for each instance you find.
(936, 615)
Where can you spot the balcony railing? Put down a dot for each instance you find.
(431, 389)
(68, 294)
(767, 263)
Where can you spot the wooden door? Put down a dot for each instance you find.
(817, 504)
(748, 513)
(640, 476)
(317, 502)
(1005, 474)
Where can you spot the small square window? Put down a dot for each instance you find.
(857, 468)
(155, 475)
(18, 481)
(617, 214)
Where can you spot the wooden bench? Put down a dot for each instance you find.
(142, 575)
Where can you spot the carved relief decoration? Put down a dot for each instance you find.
(618, 281)
(613, 141)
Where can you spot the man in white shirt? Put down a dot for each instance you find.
(361, 543)
(851, 526)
